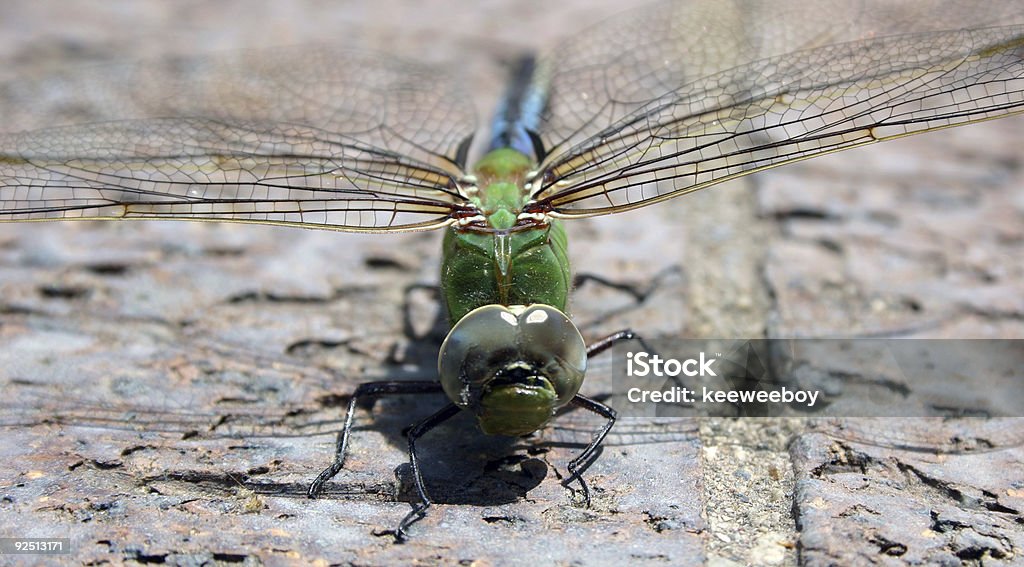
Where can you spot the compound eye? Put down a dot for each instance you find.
(547, 334)
(472, 346)
(493, 338)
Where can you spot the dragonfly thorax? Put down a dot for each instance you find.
(512, 366)
(517, 267)
(501, 178)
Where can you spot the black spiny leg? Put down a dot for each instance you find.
(584, 457)
(367, 390)
(579, 463)
(606, 343)
(420, 510)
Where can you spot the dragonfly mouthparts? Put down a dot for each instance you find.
(519, 373)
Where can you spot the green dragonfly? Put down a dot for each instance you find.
(651, 105)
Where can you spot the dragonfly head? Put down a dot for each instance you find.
(512, 366)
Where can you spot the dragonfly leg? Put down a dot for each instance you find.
(584, 457)
(608, 342)
(418, 430)
(601, 345)
(363, 391)
(597, 407)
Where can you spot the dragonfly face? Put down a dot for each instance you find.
(512, 366)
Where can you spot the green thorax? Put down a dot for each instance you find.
(498, 265)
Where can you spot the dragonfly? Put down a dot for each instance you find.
(654, 104)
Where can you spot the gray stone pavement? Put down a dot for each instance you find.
(170, 389)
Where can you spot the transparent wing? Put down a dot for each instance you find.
(927, 434)
(689, 94)
(319, 137)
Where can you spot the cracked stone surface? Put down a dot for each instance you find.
(169, 389)
(861, 503)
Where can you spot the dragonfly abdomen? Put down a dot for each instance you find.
(518, 116)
